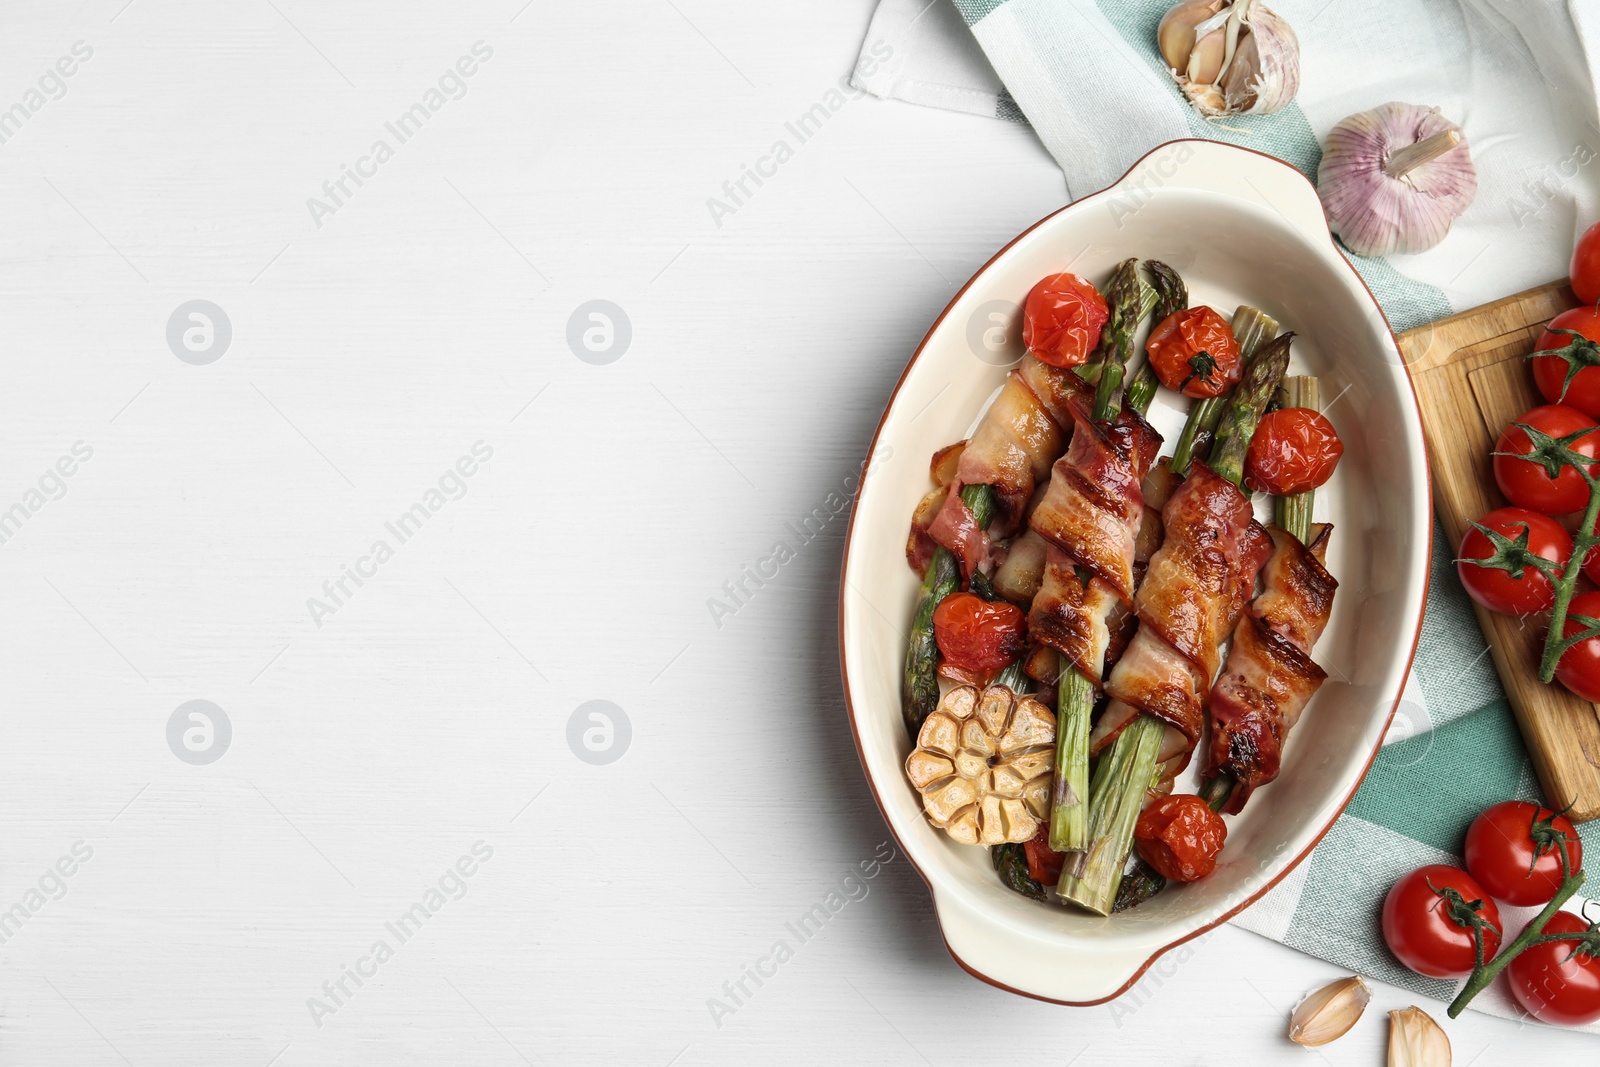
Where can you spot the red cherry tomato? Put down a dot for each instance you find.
(1507, 860)
(1180, 836)
(1294, 449)
(1062, 320)
(1194, 352)
(1504, 591)
(1552, 983)
(1586, 266)
(1579, 667)
(1044, 863)
(977, 635)
(1422, 932)
(1527, 484)
(1553, 374)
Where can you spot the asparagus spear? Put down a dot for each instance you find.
(1125, 772)
(1075, 694)
(1165, 295)
(919, 690)
(1261, 377)
(1251, 328)
(1116, 340)
(1293, 513)
(1015, 678)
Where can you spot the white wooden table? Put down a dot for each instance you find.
(404, 342)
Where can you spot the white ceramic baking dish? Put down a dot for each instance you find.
(1241, 227)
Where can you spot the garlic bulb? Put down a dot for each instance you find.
(1231, 57)
(1329, 1013)
(982, 764)
(1393, 179)
(1415, 1040)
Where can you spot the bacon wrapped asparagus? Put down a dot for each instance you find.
(1088, 518)
(1270, 676)
(986, 480)
(1195, 586)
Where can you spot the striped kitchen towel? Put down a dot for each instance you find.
(1517, 76)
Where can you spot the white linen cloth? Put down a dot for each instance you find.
(1518, 75)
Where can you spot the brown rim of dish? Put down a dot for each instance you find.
(844, 567)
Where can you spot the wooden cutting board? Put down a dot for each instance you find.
(1471, 376)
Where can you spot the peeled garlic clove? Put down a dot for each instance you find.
(1205, 59)
(1329, 1012)
(1176, 37)
(1231, 57)
(1393, 179)
(1415, 1040)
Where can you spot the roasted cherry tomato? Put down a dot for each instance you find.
(1513, 850)
(1044, 863)
(1586, 266)
(1194, 352)
(1555, 984)
(1518, 587)
(1425, 921)
(1579, 667)
(1062, 320)
(977, 635)
(1294, 449)
(1572, 377)
(1180, 836)
(1528, 484)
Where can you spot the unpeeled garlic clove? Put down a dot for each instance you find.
(1415, 1040)
(1329, 1013)
(1231, 57)
(1393, 179)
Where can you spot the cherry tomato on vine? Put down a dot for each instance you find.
(1180, 836)
(1294, 449)
(1579, 667)
(1513, 852)
(1519, 587)
(1062, 320)
(1425, 921)
(977, 635)
(1571, 376)
(1586, 266)
(1528, 484)
(1554, 984)
(1194, 352)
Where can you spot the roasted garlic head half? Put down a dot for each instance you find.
(982, 764)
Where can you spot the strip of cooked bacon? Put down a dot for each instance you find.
(1069, 614)
(1270, 675)
(1018, 439)
(1094, 505)
(1090, 515)
(1194, 588)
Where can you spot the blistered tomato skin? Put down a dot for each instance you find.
(1180, 836)
(976, 635)
(1528, 484)
(1293, 451)
(1194, 352)
(1062, 320)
